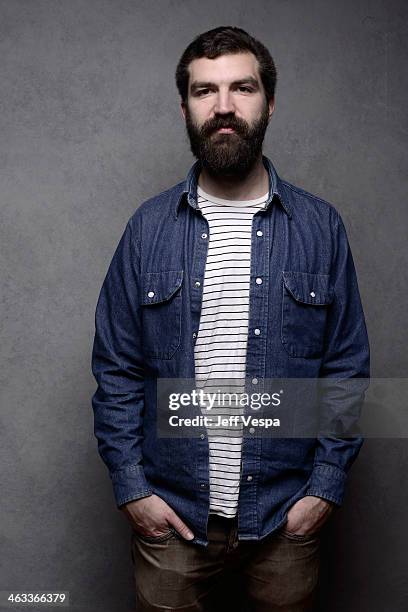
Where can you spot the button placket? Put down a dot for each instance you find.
(199, 257)
(257, 349)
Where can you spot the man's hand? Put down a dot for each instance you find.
(308, 514)
(151, 516)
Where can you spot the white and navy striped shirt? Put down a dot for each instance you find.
(220, 349)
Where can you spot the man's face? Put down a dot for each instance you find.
(226, 92)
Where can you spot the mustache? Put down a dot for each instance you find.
(217, 124)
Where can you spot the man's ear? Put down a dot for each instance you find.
(183, 109)
(271, 105)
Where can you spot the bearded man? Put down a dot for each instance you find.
(234, 274)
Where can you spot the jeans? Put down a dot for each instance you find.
(278, 573)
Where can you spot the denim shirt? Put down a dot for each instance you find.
(305, 321)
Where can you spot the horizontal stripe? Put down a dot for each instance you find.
(220, 349)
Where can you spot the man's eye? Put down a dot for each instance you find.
(245, 88)
(202, 91)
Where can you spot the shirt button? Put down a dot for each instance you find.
(251, 430)
(258, 281)
(259, 233)
(202, 436)
(203, 485)
(249, 478)
(194, 335)
(257, 332)
(254, 381)
(151, 294)
(312, 293)
(204, 235)
(197, 283)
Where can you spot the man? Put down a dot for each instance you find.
(232, 273)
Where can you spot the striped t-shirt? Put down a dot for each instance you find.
(220, 349)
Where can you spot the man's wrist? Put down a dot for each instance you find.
(133, 498)
(327, 502)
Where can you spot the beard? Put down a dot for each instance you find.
(227, 155)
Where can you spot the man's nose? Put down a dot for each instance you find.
(224, 103)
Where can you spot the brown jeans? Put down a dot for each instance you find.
(278, 573)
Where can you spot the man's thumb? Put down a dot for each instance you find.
(181, 527)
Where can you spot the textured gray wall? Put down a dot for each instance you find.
(90, 127)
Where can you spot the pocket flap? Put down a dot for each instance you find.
(160, 286)
(309, 288)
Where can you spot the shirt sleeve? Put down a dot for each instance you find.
(117, 365)
(344, 376)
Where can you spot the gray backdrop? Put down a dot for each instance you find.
(90, 127)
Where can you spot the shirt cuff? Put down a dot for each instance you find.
(130, 483)
(327, 481)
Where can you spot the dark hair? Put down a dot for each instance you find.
(222, 41)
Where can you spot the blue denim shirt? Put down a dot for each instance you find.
(299, 248)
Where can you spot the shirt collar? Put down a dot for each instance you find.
(275, 187)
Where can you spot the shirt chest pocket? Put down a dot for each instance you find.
(161, 312)
(305, 302)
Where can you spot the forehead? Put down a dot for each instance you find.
(225, 68)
